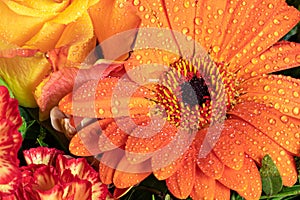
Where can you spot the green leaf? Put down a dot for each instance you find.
(297, 159)
(270, 177)
(235, 196)
(3, 83)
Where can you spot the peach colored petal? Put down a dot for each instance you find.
(282, 55)
(257, 145)
(182, 181)
(277, 126)
(53, 88)
(109, 13)
(24, 76)
(204, 187)
(275, 91)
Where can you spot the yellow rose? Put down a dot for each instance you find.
(37, 37)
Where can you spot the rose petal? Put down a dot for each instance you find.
(22, 74)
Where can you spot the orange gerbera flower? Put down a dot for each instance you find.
(201, 123)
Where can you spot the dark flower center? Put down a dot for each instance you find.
(195, 92)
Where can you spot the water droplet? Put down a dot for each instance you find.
(185, 30)
(267, 67)
(210, 30)
(216, 49)
(267, 88)
(176, 9)
(254, 73)
(234, 21)
(281, 91)
(220, 12)
(198, 20)
(101, 111)
(298, 58)
(254, 61)
(277, 106)
(276, 21)
(261, 23)
(284, 118)
(272, 121)
(136, 2)
(186, 4)
(297, 135)
(114, 110)
(296, 94)
(276, 33)
(296, 110)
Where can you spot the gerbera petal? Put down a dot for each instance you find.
(246, 181)
(114, 136)
(127, 174)
(275, 91)
(260, 31)
(229, 148)
(282, 55)
(108, 164)
(137, 66)
(274, 124)
(204, 186)
(221, 192)
(182, 181)
(257, 145)
(143, 142)
(95, 99)
(210, 165)
(41, 155)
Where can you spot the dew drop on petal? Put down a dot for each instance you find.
(296, 110)
(267, 88)
(284, 118)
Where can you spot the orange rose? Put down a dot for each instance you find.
(30, 29)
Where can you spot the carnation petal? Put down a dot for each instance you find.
(41, 155)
